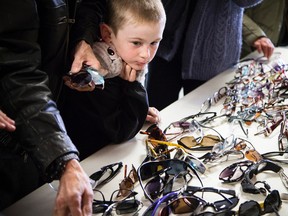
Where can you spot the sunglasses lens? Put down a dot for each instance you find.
(82, 78)
(185, 205)
(188, 141)
(127, 206)
(196, 164)
(272, 202)
(99, 208)
(234, 172)
(210, 140)
(153, 187)
(249, 208)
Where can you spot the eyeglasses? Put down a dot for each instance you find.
(235, 172)
(261, 166)
(232, 147)
(283, 135)
(127, 205)
(217, 96)
(171, 167)
(105, 174)
(87, 78)
(271, 204)
(187, 202)
(186, 124)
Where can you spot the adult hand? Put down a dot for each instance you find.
(264, 45)
(153, 115)
(75, 195)
(6, 122)
(84, 55)
(128, 73)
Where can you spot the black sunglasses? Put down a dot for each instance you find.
(105, 174)
(85, 77)
(235, 172)
(187, 202)
(272, 203)
(127, 205)
(151, 169)
(264, 165)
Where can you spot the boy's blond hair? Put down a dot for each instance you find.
(122, 11)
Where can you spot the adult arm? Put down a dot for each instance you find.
(255, 37)
(84, 32)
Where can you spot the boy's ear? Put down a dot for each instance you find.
(105, 32)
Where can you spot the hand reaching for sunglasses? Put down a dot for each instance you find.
(6, 123)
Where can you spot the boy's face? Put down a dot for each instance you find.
(137, 43)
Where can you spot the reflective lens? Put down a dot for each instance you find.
(235, 172)
(249, 208)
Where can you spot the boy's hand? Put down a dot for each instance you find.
(153, 115)
(128, 73)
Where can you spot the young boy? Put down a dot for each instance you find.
(130, 35)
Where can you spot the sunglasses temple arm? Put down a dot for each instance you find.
(283, 178)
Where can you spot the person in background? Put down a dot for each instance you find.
(261, 32)
(34, 145)
(201, 39)
(131, 32)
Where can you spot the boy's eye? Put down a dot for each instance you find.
(136, 43)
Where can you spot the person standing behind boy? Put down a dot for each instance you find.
(132, 29)
(261, 32)
(202, 38)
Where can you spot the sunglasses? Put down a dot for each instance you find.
(264, 165)
(188, 202)
(271, 204)
(151, 169)
(182, 154)
(162, 185)
(155, 133)
(207, 142)
(270, 156)
(235, 172)
(87, 78)
(128, 182)
(105, 174)
(127, 205)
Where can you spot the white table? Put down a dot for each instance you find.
(40, 202)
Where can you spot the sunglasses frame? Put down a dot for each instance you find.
(249, 187)
(96, 176)
(165, 169)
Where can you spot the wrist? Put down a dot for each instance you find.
(57, 168)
